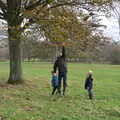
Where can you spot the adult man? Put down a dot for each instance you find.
(60, 64)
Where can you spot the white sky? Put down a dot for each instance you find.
(112, 27)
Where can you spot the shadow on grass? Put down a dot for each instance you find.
(6, 86)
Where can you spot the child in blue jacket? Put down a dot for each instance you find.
(54, 82)
(89, 84)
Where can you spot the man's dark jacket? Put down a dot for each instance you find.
(60, 63)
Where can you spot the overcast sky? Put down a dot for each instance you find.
(112, 29)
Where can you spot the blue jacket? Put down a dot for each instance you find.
(54, 81)
(89, 82)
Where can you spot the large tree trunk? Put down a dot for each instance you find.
(15, 75)
(14, 21)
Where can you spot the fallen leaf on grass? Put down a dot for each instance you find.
(6, 97)
(28, 108)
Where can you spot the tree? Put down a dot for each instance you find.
(115, 55)
(12, 12)
(16, 13)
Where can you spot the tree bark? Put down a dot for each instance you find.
(15, 47)
(14, 32)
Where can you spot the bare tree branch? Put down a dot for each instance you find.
(2, 18)
(34, 5)
(3, 6)
(27, 25)
(1, 14)
(72, 3)
(57, 4)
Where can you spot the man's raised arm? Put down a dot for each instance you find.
(63, 51)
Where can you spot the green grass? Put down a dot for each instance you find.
(33, 100)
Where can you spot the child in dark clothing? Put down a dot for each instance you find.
(89, 84)
(54, 82)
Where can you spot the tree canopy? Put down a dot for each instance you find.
(56, 21)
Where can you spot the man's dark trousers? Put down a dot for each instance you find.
(62, 75)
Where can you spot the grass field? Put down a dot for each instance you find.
(33, 100)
